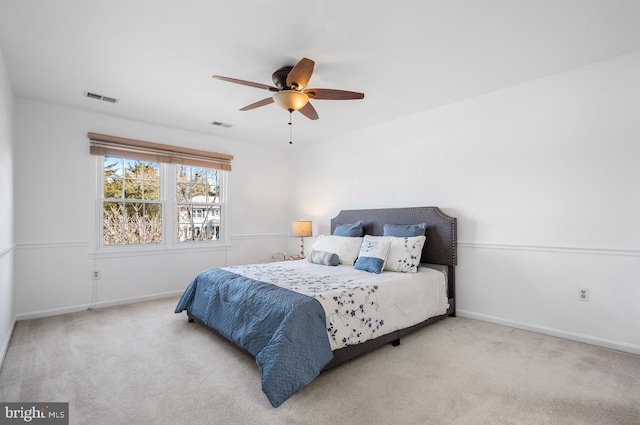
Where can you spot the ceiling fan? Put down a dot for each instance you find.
(290, 92)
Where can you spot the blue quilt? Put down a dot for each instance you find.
(284, 330)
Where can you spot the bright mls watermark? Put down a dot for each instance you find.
(34, 413)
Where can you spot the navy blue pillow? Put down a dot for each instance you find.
(404, 230)
(349, 230)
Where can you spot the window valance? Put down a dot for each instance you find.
(102, 144)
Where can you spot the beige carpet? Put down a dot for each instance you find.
(143, 364)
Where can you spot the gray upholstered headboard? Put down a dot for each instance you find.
(441, 244)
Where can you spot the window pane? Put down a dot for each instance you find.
(151, 190)
(133, 189)
(113, 166)
(113, 187)
(213, 186)
(153, 213)
(113, 212)
(112, 172)
(184, 227)
(153, 233)
(186, 187)
(132, 234)
(152, 171)
(198, 223)
(151, 184)
(183, 192)
(133, 168)
(112, 234)
(133, 212)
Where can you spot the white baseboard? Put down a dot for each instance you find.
(73, 309)
(5, 343)
(587, 339)
(132, 300)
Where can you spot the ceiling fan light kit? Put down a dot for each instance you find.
(291, 100)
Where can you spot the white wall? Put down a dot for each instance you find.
(7, 314)
(543, 178)
(55, 228)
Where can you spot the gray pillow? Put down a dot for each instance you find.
(324, 258)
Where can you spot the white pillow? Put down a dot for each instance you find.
(404, 254)
(373, 254)
(347, 248)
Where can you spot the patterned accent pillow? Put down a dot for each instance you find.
(346, 248)
(324, 258)
(349, 230)
(403, 230)
(404, 254)
(373, 254)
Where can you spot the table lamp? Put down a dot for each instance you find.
(301, 229)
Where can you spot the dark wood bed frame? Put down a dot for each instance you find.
(440, 248)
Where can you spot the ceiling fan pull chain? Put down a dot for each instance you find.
(290, 126)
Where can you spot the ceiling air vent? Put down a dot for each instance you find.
(221, 124)
(101, 97)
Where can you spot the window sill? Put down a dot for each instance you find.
(142, 250)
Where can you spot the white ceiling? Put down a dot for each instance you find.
(157, 56)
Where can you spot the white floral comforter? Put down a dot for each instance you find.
(358, 305)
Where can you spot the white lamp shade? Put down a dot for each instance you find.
(301, 228)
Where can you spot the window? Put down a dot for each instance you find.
(198, 196)
(132, 202)
(159, 195)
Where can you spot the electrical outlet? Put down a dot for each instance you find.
(95, 275)
(583, 294)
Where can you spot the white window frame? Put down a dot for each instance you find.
(168, 183)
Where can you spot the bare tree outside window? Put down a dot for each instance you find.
(132, 207)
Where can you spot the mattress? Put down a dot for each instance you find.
(358, 305)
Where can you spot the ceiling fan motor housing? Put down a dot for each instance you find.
(280, 77)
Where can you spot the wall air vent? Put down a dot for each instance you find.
(101, 97)
(221, 124)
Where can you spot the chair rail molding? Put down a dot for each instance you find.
(550, 248)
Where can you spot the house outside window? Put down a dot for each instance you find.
(198, 199)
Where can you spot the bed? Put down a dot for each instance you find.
(300, 318)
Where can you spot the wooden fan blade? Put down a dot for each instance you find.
(258, 104)
(309, 111)
(331, 94)
(299, 76)
(246, 83)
